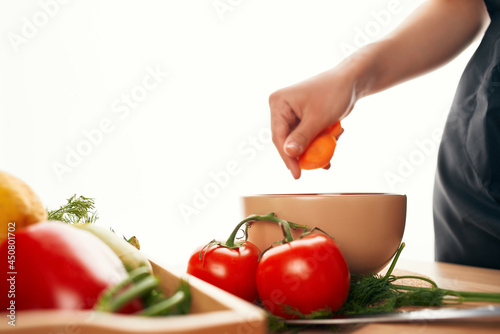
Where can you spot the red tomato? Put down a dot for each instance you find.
(306, 274)
(53, 265)
(231, 269)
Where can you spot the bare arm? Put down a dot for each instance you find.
(435, 33)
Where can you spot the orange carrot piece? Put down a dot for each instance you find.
(320, 151)
(335, 129)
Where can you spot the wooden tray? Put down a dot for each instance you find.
(212, 311)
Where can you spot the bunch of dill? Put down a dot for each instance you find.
(76, 210)
(375, 293)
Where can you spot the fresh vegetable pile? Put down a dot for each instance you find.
(292, 278)
(309, 278)
(68, 262)
(61, 259)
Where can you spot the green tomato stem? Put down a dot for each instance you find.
(270, 217)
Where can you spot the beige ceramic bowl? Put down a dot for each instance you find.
(367, 227)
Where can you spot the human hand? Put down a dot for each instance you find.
(300, 112)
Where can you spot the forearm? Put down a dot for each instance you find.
(435, 33)
(432, 35)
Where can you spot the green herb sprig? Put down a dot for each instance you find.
(75, 211)
(81, 210)
(374, 293)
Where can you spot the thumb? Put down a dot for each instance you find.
(298, 140)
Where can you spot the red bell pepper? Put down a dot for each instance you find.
(51, 265)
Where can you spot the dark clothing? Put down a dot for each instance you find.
(467, 185)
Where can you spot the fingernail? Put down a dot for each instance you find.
(292, 149)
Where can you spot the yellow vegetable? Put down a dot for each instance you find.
(19, 205)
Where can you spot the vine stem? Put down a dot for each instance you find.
(270, 217)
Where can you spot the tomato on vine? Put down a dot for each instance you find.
(303, 276)
(230, 265)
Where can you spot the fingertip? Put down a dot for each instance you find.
(296, 171)
(292, 149)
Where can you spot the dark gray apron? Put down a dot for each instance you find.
(467, 185)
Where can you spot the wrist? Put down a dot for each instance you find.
(362, 71)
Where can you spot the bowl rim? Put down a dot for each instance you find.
(321, 195)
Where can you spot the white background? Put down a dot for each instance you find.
(65, 69)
